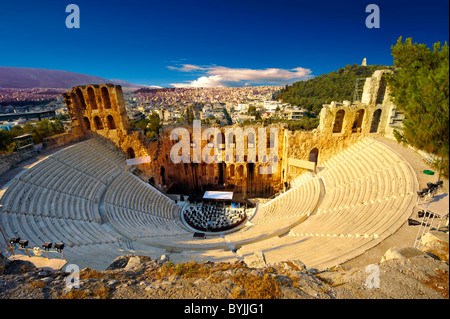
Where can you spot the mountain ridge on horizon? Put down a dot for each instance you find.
(25, 78)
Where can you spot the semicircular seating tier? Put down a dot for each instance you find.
(57, 200)
(370, 192)
(83, 196)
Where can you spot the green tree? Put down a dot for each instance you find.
(154, 124)
(253, 112)
(190, 115)
(6, 140)
(420, 86)
(39, 131)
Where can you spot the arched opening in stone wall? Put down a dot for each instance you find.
(240, 171)
(314, 155)
(195, 174)
(222, 169)
(232, 170)
(381, 90)
(87, 124)
(111, 123)
(98, 123)
(356, 128)
(80, 97)
(375, 121)
(338, 121)
(105, 97)
(130, 153)
(91, 97)
(250, 170)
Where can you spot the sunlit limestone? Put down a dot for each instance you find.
(234, 139)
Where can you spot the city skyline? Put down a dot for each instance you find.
(212, 44)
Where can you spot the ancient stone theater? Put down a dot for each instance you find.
(218, 193)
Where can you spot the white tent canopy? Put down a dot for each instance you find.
(218, 195)
(439, 205)
(437, 209)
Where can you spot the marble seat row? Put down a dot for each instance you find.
(369, 193)
(135, 224)
(57, 200)
(280, 214)
(128, 191)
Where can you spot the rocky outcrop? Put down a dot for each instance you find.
(401, 253)
(435, 243)
(406, 273)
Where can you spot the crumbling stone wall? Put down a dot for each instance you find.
(100, 109)
(241, 174)
(375, 106)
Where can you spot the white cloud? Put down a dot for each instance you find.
(186, 68)
(219, 76)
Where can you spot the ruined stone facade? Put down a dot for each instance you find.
(342, 124)
(238, 164)
(372, 114)
(100, 109)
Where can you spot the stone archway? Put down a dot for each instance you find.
(357, 124)
(80, 97)
(375, 121)
(232, 170)
(98, 123)
(91, 98)
(87, 124)
(338, 121)
(110, 122)
(131, 153)
(381, 90)
(105, 97)
(240, 171)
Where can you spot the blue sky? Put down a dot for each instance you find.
(196, 42)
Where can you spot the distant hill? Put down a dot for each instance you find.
(11, 77)
(335, 86)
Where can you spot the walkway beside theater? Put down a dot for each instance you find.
(406, 234)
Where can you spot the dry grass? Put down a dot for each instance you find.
(438, 283)
(99, 293)
(291, 264)
(37, 284)
(91, 274)
(184, 270)
(328, 281)
(255, 287)
(25, 268)
(74, 294)
(193, 269)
